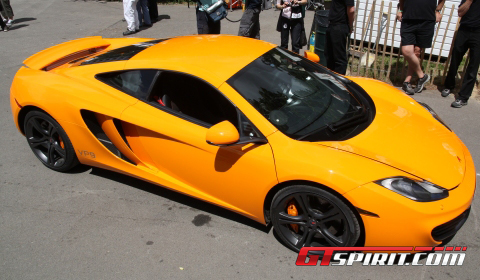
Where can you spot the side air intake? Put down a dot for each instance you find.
(91, 120)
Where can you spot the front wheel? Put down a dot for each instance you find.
(49, 142)
(305, 216)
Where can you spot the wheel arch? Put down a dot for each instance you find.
(273, 191)
(23, 113)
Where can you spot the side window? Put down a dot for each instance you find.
(136, 83)
(193, 98)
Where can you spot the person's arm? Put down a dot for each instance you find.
(351, 16)
(463, 8)
(438, 10)
(301, 2)
(400, 10)
(281, 5)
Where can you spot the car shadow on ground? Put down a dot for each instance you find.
(179, 198)
(79, 169)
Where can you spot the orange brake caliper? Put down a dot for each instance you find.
(61, 142)
(292, 211)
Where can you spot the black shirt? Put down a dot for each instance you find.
(472, 17)
(419, 9)
(254, 4)
(338, 11)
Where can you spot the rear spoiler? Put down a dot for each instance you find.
(63, 53)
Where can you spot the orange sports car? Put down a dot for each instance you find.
(241, 123)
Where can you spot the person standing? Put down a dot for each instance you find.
(341, 17)
(418, 19)
(153, 10)
(143, 13)
(3, 25)
(250, 22)
(131, 16)
(291, 22)
(468, 37)
(7, 13)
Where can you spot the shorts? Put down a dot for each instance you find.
(417, 32)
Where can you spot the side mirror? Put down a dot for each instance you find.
(312, 56)
(223, 133)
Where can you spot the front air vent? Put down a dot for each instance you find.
(450, 228)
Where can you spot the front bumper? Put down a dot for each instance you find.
(404, 222)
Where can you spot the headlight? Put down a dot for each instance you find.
(429, 109)
(421, 191)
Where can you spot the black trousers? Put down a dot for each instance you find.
(153, 10)
(467, 38)
(336, 47)
(2, 24)
(250, 24)
(6, 10)
(293, 27)
(205, 25)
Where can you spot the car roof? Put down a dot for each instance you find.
(214, 58)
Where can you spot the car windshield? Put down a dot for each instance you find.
(297, 96)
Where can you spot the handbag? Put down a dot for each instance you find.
(303, 38)
(218, 13)
(281, 21)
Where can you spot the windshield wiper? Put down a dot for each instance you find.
(341, 125)
(356, 119)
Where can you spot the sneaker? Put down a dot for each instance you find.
(407, 87)
(446, 92)
(422, 82)
(9, 23)
(6, 28)
(458, 103)
(129, 32)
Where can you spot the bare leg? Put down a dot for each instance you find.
(412, 55)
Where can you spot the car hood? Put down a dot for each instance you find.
(406, 136)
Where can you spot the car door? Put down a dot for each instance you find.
(168, 130)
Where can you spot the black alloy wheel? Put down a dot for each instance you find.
(49, 142)
(305, 216)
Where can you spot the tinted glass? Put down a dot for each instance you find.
(135, 82)
(193, 98)
(124, 53)
(295, 95)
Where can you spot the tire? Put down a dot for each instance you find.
(49, 142)
(322, 219)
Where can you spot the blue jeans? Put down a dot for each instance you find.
(143, 13)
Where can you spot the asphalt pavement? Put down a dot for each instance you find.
(95, 224)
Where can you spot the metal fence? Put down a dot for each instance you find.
(380, 59)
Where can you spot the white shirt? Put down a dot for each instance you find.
(287, 12)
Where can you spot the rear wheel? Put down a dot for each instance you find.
(305, 216)
(49, 142)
